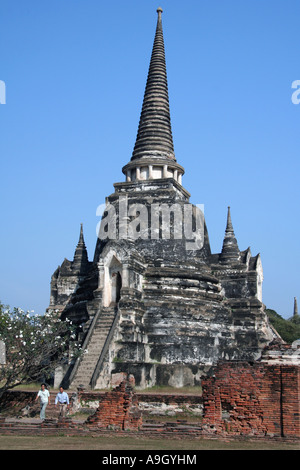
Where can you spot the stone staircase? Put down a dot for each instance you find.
(94, 344)
(52, 411)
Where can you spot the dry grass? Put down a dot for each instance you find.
(131, 443)
(196, 390)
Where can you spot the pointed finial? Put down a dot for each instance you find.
(159, 20)
(81, 239)
(229, 226)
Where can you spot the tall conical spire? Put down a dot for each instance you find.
(230, 249)
(153, 154)
(80, 261)
(295, 307)
(154, 138)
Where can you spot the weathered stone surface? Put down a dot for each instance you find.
(176, 309)
(66, 279)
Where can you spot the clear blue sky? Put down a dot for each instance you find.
(75, 73)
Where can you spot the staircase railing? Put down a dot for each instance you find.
(105, 349)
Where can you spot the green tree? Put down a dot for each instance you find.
(289, 330)
(35, 345)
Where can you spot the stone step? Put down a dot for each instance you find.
(89, 361)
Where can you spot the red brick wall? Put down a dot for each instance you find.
(13, 401)
(291, 400)
(238, 399)
(118, 410)
(258, 399)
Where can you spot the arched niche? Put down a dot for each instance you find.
(112, 281)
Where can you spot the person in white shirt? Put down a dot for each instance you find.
(44, 395)
(62, 398)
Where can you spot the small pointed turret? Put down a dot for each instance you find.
(295, 308)
(80, 261)
(230, 250)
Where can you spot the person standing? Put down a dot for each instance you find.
(44, 395)
(62, 398)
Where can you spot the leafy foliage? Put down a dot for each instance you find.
(289, 330)
(35, 345)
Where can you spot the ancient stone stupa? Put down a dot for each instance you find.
(155, 302)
